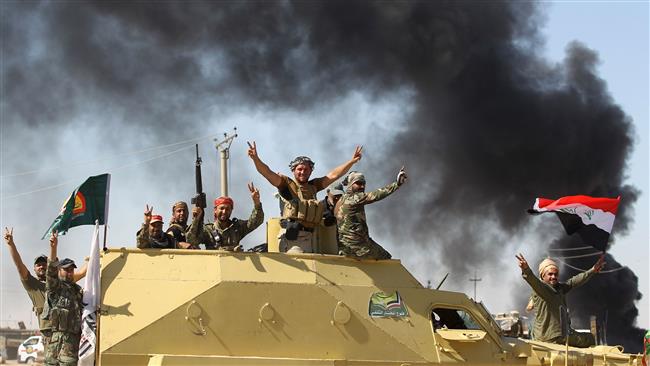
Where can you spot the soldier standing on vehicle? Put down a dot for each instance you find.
(301, 212)
(354, 239)
(334, 193)
(225, 233)
(151, 234)
(178, 224)
(550, 301)
(63, 309)
(35, 286)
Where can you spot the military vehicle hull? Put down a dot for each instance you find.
(180, 307)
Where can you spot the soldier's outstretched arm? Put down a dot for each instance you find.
(51, 275)
(274, 178)
(380, 194)
(23, 272)
(340, 170)
(81, 272)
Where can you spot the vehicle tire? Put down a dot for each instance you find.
(30, 361)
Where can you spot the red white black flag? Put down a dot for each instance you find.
(591, 217)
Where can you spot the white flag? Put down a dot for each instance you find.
(91, 301)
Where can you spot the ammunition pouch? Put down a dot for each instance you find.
(293, 228)
(309, 211)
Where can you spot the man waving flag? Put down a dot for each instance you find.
(591, 217)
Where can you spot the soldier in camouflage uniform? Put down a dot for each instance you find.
(354, 240)
(35, 286)
(178, 225)
(63, 309)
(151, 234)
(225, 233)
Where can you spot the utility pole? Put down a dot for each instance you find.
(223, 147)
(475, 280)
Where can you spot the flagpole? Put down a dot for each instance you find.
(108, 190)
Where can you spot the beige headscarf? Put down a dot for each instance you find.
(352, 178)
(545, 265)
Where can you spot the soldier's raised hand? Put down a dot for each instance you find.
(255, 193)
(523, 264)
(600, 264)
(9, 236)
(197, 212)
(148, 211)
(54, 239)
(252, 151)
(357, 154)
(401, 176)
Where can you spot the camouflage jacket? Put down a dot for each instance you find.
(351, 214)
(178, 231)
(63, 304)
(213, 237)
(145, 241)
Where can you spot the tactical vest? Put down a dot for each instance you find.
(166, 242)
(177, 231)
(63, 308)
(309, 211)
(231, 234)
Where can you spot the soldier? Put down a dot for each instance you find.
(301, 212)
(354, 239)
(63, 309)
(334, 193)
(35, 286)
(550, 299)
(226, 233)
(151, 234)
(178, 225)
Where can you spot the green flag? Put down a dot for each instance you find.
(89, 202)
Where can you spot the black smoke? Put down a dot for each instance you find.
(495, 124)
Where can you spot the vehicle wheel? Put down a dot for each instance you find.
(30, 361)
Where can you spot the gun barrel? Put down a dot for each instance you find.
(197, 172)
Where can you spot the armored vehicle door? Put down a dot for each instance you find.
(461, 336)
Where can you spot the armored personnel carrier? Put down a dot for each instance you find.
(191, 307)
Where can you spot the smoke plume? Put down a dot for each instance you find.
(491, 123)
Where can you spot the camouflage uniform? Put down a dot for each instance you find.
(178, 231)
(213, 237)
(354, 239)
(144, 240)
(63, 310)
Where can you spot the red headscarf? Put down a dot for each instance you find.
(224, 201)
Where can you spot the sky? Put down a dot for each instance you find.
(116, 89)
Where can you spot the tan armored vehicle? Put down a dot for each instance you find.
(191, 307)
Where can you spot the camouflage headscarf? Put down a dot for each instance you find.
(352, 178)
(301, 160)
(179, 203)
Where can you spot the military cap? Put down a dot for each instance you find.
(67, 263)
(40, 258)
(156, 218)
(336, 189)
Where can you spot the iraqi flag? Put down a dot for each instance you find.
(591, 217)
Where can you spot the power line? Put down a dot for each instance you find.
(113, 169)
(67, 165)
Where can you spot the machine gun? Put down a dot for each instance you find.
(199, 199)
